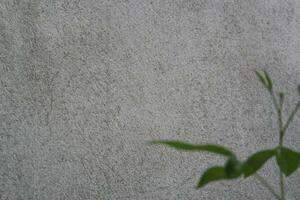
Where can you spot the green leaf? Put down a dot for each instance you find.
(215, 173)
(287, 160)
(256, 161)
(269, 81)
(298, 89)
(233, 168)
(262, 78)
(195, 147)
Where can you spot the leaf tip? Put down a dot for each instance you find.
(152, 142)
(261, 77)
(269, 80)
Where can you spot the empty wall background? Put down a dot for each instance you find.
(86, 83)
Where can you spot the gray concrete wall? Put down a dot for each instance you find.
(85, 83)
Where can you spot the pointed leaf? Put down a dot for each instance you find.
(256, 161)
(298, 89)
(215, 173)
(195, 147)
(262, 78)
(269, 81)
(287, 160)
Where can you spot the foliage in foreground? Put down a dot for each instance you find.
(288, 160)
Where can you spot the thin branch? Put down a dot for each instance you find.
(291, 117)
(266, 184)
(278, 109)
(282, 186)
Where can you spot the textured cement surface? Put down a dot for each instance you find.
(85, 83)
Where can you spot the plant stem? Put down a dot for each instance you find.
(291, 117)
(281, 134)
(282, 186)
(266, 184)
(278, 109)
(281, 174)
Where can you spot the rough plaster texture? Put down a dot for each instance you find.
(85, 83)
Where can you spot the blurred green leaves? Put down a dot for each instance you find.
(256, 161)
(212, 148)
(287, 160)
(215, 173)
(231, 170)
